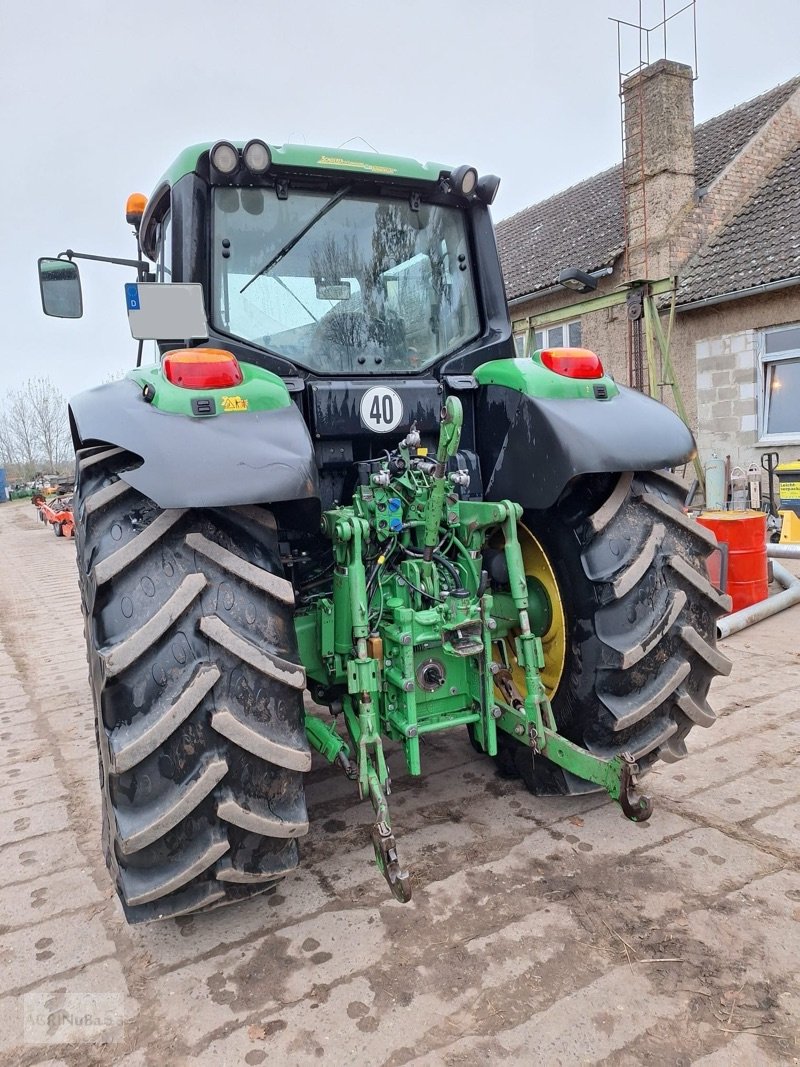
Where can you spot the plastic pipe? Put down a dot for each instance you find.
(790, 595)
(784, 551)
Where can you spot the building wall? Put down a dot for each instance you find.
(722, 341)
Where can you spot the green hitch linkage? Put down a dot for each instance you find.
(323, 737)
(619, 775)
(449, 437)
(362, 685)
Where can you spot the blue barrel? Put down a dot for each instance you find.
(3, 493)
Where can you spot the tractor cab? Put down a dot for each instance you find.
(320, 265)
(360, 280)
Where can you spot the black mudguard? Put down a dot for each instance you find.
(530, 448)
(236, 458)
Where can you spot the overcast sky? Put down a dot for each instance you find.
(98, 96)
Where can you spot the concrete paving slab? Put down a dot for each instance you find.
(31, 954)
(14, 773)
(32, 821)
(42, 898)
(30, 858)
(767, 946)
(590, 1025)
(33, 791)
(782, 825)
(91, 1007)
(754, 794)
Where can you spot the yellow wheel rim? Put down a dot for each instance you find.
(554, 642)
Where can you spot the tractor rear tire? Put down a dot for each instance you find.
(641, 619)
(198, 694)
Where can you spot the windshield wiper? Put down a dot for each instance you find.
(326, 207)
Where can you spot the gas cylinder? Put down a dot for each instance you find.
(716, 494)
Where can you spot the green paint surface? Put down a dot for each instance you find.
(311, 157)
(531, 377)
(260, 390)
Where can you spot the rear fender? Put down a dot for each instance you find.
(242, 457)
(531, 447)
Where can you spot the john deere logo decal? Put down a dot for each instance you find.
(355, 164)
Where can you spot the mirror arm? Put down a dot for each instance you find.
(138, 264)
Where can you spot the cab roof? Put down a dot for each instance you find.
(314, 157)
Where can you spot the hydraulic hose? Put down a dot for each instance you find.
(443, 561)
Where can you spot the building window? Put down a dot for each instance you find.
(565, 335)
(779, 384)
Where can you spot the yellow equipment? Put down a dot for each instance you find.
(789, 501)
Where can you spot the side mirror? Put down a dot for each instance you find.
(60, 286)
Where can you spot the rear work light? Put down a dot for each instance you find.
(202, 368)
(572, 362)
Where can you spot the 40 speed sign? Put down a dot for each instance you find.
(381, 409)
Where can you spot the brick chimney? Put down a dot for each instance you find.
(659, 163)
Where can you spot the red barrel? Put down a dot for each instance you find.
(745, 534)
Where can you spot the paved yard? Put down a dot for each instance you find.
(541, 931)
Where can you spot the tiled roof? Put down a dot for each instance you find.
(760, 244)
(583, 225)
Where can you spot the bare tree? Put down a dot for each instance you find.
(22, 429)
(8, 454)
(49, 414)
(34, 429)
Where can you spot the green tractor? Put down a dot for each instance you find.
(336, 479)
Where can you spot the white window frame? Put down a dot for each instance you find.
(527, 336)
(765, 360)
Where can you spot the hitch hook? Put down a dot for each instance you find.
(388, 863)
(635, 805)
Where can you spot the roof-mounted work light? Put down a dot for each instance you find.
(224, 158)
(463, 180)
(257, 157)
(486, 189)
